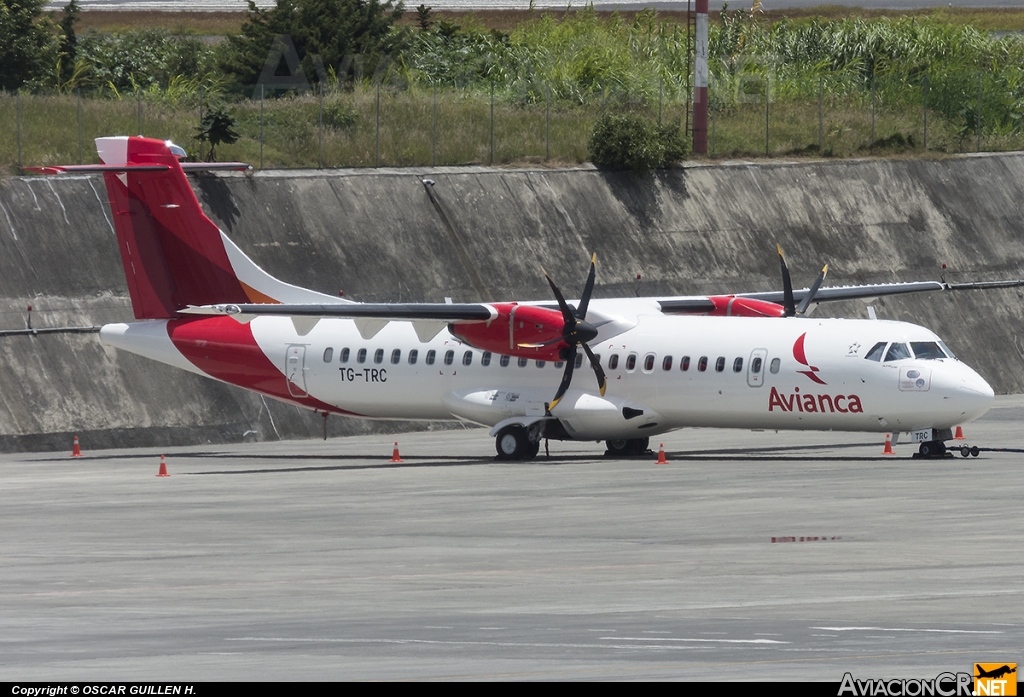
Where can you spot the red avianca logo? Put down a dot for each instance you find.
(812, 403)
(801, 357)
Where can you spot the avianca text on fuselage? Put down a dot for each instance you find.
(814, 403)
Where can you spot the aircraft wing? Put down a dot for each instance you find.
(714, 305)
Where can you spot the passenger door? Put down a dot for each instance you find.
(756, 367)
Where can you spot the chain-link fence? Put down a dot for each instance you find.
(377, 125)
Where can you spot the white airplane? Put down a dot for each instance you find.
(734, 361)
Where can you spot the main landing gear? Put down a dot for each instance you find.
(626, 447)
(514, 443)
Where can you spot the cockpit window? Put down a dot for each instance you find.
(947, 351)
(897, 352)
(875, 354)
(927, 350)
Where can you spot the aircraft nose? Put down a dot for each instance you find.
(973, 395)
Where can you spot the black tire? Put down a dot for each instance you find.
(927, 449)
(975, 451)
(512, 443)
(532, 451)
(965, 451)
(627, 447)
(621, 447)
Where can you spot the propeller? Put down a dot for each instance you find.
(576, 332)
(788, 303)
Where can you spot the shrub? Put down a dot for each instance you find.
(636, 143)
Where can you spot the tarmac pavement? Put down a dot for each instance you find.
(750, 556)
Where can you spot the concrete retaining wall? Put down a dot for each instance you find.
(483, 235)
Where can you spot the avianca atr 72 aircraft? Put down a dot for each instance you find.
(738, 361)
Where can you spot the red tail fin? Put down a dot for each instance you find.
(173, 254)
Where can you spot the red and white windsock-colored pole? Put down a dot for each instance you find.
(700, 81)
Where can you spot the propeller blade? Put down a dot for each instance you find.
(570, 364)
(602, 382)
(541, 344)
(567, 314)
(787, 286)
(588, 288)
(806, 302)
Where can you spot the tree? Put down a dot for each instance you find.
(330, 29)
(423, 17)
(68, 50)
(218, 127)
(28, 46)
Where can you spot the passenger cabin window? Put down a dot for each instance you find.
(523, 361)
(344, 355)
(579, 360)
(927, 350)
(648, 362)
(559, 364)
(328, 354)
(467, 358)
(720, 364)
(876, 352)
(378, 356)
(504, 360)
(485, 360)
(613, 361)
(755, 365)
(737, 365)
(775, 365)
(684, 363)
(666, 363)
(449, 357)
(361, 356)
(897, 352)
(430, 356)
(413, 355)
(540, 364)
(702, 364)
(396, 356)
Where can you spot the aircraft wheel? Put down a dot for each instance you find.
(512, 443)
(974, 451)
(626, 447)
(620, 447)
(965, 451)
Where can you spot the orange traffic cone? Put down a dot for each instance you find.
(887, 450)
(76, 451)
(661, 455)
(395, 457)
(163, 468)
(959, 434)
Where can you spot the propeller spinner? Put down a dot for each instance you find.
(576, 332)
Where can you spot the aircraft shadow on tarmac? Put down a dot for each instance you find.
(364, 461)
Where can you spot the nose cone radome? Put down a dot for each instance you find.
(974, 396)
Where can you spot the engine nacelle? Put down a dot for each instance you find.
(515, 324)
(731, 306)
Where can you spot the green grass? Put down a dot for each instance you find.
(408, 136)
